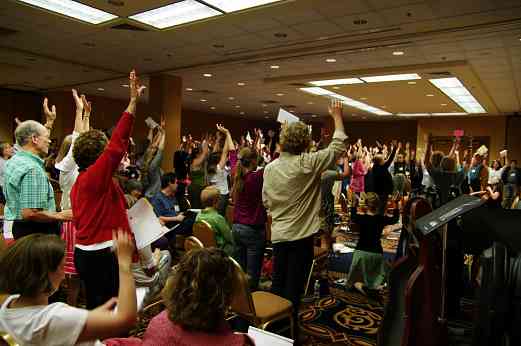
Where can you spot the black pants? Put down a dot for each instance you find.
(22, 228)
(291, 265)
(99, 271)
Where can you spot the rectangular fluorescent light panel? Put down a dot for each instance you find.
(453, 88)
(175, 14)
(73, 9)
(237, 5)
(413, 114)
(345, 100)
(337, 82)
(391, 78)
(454, 113)
(317, 91)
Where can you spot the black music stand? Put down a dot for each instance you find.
(438, 219)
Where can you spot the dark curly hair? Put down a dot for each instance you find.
(88, 147)
(200, 289)
(25, 266)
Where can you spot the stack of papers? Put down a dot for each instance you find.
(263, 338)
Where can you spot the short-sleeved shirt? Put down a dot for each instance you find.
(26, 185)
(223, 233)
(56, 324)
(220, 180)
(249, 209)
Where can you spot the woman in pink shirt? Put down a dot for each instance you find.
(358, 174)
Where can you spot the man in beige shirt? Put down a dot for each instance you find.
(291, 193)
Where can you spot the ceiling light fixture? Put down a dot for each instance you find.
(125, 85)
(313, 115)
(453, 113)
(391, 78)
(279, 94)
(231, 98)
(345, 100)
(207, 75)
(274, 67)
(398, 53)
(237, 106)
(336, 82)
(331, 60)
(189, 89)
(101, 89)
(175, 14)
(241, 113)
(212, 108)
(412, 83)
(413, 114)
(203, 100)
(443, 104)
(453, 88)
(363, 98)
(73, 9)
(241, 84)
(237, 5)
(429, 95)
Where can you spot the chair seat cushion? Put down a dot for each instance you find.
(268, 306)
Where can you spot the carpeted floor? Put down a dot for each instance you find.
(341, 318)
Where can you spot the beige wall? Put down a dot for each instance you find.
(492, 126)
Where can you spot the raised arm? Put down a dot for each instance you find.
(104, 321)
(50, 115)
(87, 106)
(228, 145)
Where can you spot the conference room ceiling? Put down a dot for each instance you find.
(260, 58)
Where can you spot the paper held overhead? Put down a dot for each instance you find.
(285, 116)
(145, 224)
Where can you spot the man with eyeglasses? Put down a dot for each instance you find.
(30, 205)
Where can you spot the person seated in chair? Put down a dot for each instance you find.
(368, 267)
(196, 297)
(223, 234)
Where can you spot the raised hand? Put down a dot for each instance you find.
(222, 129)
(17, 121)
(136, 89)
(335, 108)
(50, 114)
(77, 101)
(87, 106)
(124, 247)
(163, 122)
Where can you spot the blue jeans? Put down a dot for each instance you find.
(250, 242)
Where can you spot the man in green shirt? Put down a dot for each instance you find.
(30, 205)
(223, 234)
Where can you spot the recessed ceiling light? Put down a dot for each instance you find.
(266, 117)
(124, 85)
(429, 95)
(274, 67)
(443, 104)
(237, 5)
(237, 106)
(336, 88)
(310, 103)
(453, 113)
(266, 112)
(363, 98)
(189, 89)
(101, 89)
(398, 52)
(73, 9)
(175, 14)
(391, 77)
(241, 84)
(313, 115)
(317, 91)
(231, 98)
(241, 113)
(264, 105)
(330, 60)
(212, 107)
(413, 114)
(453, 88)
(207, 75)
(203, 100)
(411, 82)
(279, 94)
(336, 82)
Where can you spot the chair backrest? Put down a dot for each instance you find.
(192, 243)
(7, 340)
(242, 302)
(203, 231)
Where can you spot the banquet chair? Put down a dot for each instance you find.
(260, 308)
(203, 231)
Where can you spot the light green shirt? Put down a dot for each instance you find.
(26, 185)
(223, 233)
(291, 190)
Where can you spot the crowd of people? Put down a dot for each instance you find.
(279, 180)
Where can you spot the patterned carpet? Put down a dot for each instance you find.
(342, 318)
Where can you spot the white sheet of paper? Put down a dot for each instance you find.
(144, 223)
(286, 116)
(264, 338)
